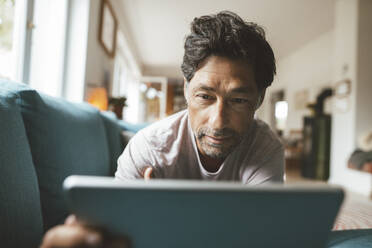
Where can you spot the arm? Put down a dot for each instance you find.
(136, 158)
(269, 170)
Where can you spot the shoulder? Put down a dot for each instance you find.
(264, 139)
(161, 134)
(264, 161)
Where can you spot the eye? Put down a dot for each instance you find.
(204, 96)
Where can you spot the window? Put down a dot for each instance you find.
(48, 46)
(281, 113)
(12, 38)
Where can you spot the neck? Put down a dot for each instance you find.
(210, 164)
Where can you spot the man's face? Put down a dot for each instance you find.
(222, 98)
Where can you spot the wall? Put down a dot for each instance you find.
(98, 62)
(310, 67)
(364, 72)
(99, 66)
(343, 53)
(352, 60)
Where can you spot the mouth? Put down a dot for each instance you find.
(217, 140)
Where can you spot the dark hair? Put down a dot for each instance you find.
(226, 34)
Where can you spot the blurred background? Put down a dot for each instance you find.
(125, 56)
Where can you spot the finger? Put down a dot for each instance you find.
(72, 236)
(71, 220)
(147, 175)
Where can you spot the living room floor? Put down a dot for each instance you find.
(356, 210)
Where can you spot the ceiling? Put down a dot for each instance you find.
(158, 28)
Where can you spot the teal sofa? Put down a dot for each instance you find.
(42, 141)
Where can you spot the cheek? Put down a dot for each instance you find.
(197, 116)
(241, 121)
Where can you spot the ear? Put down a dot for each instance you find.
(261, 97)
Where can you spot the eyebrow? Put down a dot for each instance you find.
(244, 89)
(206, 88)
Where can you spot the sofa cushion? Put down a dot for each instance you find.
(65, 139)
(113, 134)
(359, 238)
(20, 211)
(134, 128)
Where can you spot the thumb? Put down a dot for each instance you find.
(71, 220)
(147, 174)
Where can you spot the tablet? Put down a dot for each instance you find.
(205, 214)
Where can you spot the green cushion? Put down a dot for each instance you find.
(134, 128)
(113, 134)
(65, 139)
(20, 212)
(360, 238)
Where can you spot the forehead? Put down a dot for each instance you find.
(224, 72)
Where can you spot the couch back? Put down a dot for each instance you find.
(44, 140)
(21, 223)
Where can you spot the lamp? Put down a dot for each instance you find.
(98, 98)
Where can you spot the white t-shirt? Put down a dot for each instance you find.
(169, 146)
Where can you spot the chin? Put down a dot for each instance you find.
(216, 153)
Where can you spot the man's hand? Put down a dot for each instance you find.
(147, 173)
(74, 234)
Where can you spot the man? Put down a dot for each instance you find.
(227, 67)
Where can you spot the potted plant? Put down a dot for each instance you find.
(116, 105)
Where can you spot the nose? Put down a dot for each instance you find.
(218, 115)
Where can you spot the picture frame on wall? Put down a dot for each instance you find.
(108, 26)
(301, 99)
